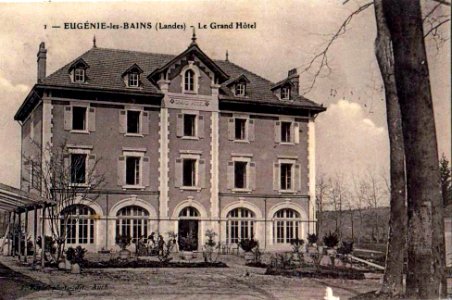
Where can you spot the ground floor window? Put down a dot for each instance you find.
(240, 225)
(286, 224)
(132, 221)
(77, 224)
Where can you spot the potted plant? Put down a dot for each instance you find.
(123, 241)
(70, 255)
(331, 240)
(312, 243)
(297, 247)
(79, 257)
(209, 247)
(248, 245)
(189, 244)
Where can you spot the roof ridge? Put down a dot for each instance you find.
(246, 70)
(135, 51)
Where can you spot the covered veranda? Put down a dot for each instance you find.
(17, 207)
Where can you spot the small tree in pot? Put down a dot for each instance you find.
(331, 240)
(78, 259)
(297, 249)
(312, 243)
(248, 245)
(123, 241)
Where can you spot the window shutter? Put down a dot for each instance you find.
(296, 135)
(230, 175)
(251, 130)
(180, 125)
(67, 166)
(276, 176)
(231, 129)
(202, 173)
(67, 117)
(146, 171)
(145, 123)
(121, 170)
(91, 168)
(122, 121)
(277, 132)
(252, 176)
(298, 178)
(92, 119)
(201, 127)
(178, 172)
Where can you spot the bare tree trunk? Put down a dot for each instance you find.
(425, 216)
(393, 277)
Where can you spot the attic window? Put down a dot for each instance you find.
(240, 89)
(189, 84)
(134, 79)
(79, 75)
(285, 93)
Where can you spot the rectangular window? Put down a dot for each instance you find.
(240, 89)
(78, 118)
(240, 129)
(189, 172)
(189, 125)
(132, 170)
(78, 168)
(79, 75)
(286, 176)
(240, 174)
(133, 121)
(286, 136)
(133, 79)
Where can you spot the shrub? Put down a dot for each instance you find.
(312, 238)
(297, 244)
(247, 245)
(123, 241)
(346, 248)
(50, 244)
(331, 240)
(70, 254)
(209, 247)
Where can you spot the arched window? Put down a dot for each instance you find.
(240, 225)
(189, 81)
(132, 221)
(285, 226)
(189, 212)
(77, 224)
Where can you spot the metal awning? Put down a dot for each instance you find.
(13, 199)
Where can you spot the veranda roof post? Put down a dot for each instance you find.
(26, 235)
(35, 231)
(19, 246)
(43, 219)
(13, 241)
(8, 230)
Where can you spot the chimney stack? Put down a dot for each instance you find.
(42, 57)
(295, 80)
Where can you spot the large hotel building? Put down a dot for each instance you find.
(186, 143)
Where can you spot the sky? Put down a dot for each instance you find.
(351, 135)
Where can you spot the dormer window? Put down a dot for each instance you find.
(189, 81)
(240, 89)
(79, 75)
(285, 93)
(77, 71)
(131, 76)
(134, 79)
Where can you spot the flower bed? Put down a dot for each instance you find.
(323, 272)
(118, 263)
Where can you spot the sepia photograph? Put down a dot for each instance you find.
(221, 149)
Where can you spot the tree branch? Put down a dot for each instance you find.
(442, 2)
(322, 57)
(435, 28)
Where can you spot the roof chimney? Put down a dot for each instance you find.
(42, 57)
(295, 79)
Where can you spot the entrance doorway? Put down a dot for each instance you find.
(188, 229)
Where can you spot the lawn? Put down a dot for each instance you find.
(237, 281)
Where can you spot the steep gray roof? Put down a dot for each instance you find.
(106, 67)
